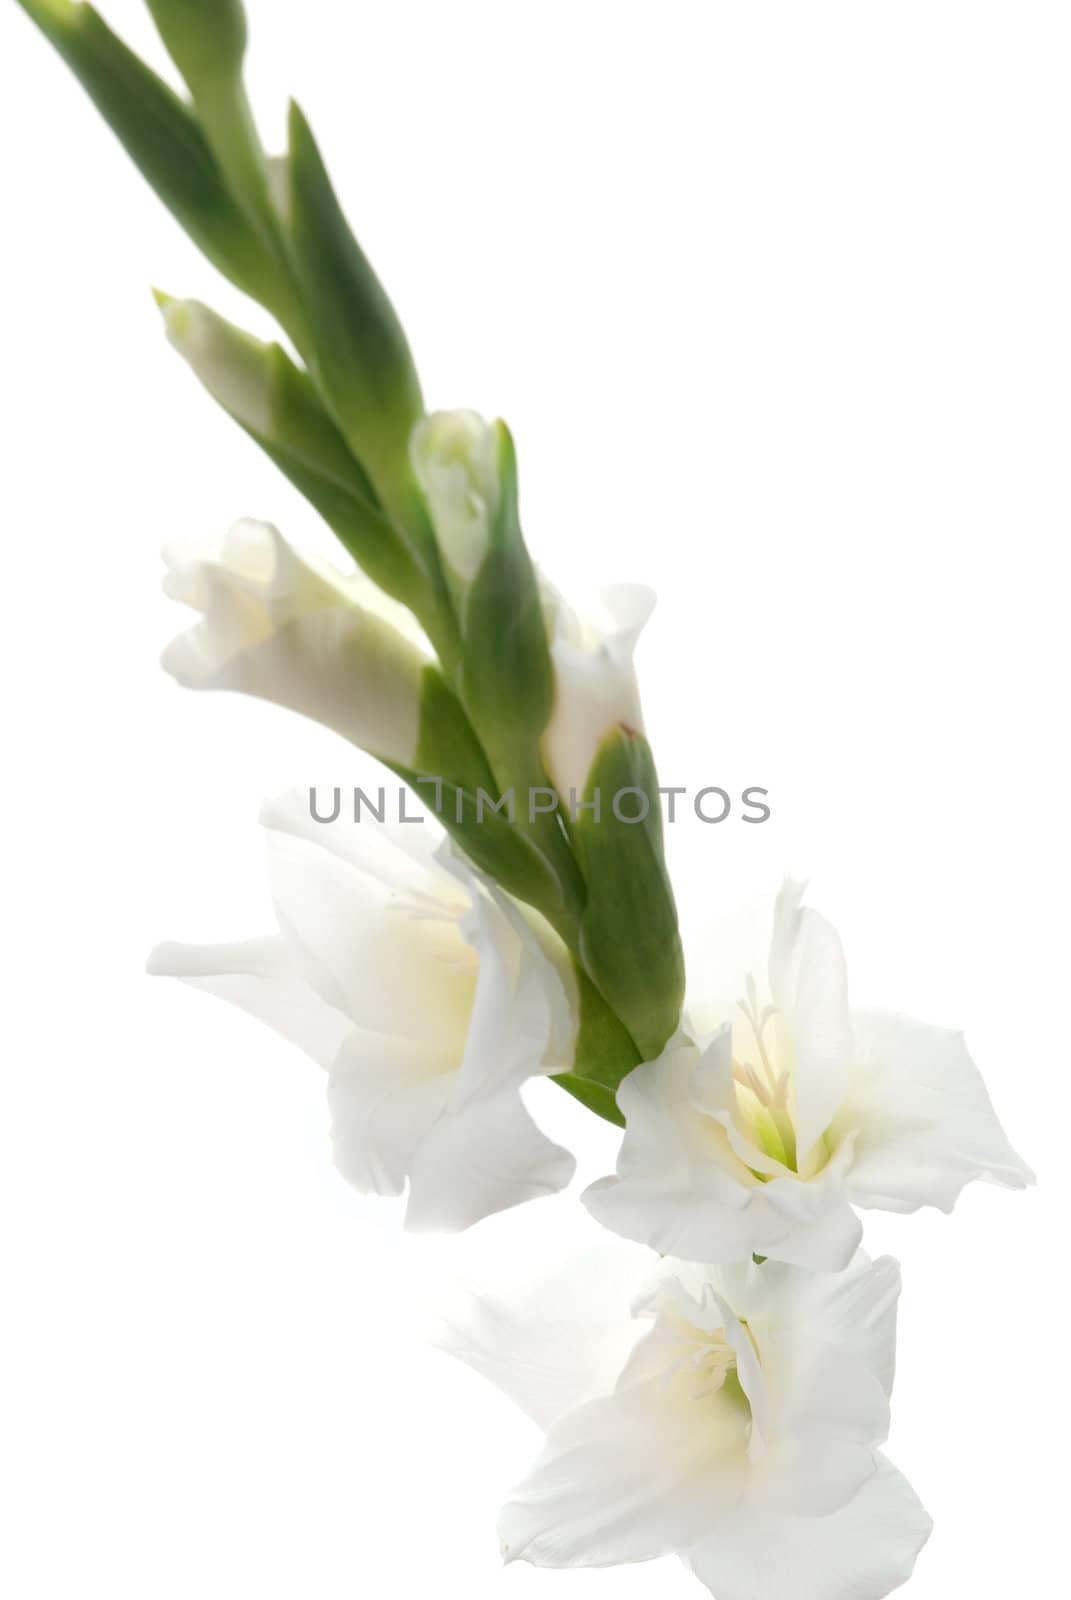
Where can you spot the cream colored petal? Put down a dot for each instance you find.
(564, 1340)
(926, 1124)
(285, 628)
(391, 963)
(809, 985)
(861, 1552)
(261, 977)
(679, 1188)
(483, 1158)
(385, 1096)
(595, 679)
(626, 1478)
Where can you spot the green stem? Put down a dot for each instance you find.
(227, 119)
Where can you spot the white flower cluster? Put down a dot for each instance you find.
(722, 1393)
(715, 1383)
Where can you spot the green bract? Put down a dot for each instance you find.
(629, 941)
(357, 348)
(507, 676)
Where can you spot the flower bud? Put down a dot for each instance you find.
(275, 402)
(455, 458)
(283, 628)
(596, 754)
(595, 688)
(231, 364)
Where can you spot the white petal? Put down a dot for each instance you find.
(254, 554)
(826, 1356)
(595, 679)
(723, 955)
(854, 1309)
(397, 861)
(860, 1552)
(394, 964)
(626, 1478)
(532, 935)
(686, 1306)
(809, 1224)
(399, 933)
(385, 1095)
(483, 1158)
(520, 1023)
(751, 1376)
(809, 985)
(454, 455)
(679, 1188)
(926, 1123)
(294, 631)
(343, 668)
(454, 1002)
(564, 1340)
(828, 1413)
(260, 976)
(682, 1188)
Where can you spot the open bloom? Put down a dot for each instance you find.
(425, 994)
(294, 630)
(733, 1419)
(757, 1129)
(454, 455)
(594, 678)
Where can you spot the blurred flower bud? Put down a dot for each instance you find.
(455, 458)
(285, 628)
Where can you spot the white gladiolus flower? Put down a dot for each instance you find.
(595, 679)
(424, 993)
(734, 1424)
(757, 1129)
(454, 455)
(293, 630)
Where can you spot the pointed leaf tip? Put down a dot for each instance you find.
(297, 124)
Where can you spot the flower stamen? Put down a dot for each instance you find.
(770, 1116)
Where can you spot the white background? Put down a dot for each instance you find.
(775, 297)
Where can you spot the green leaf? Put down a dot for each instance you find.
(508, 680)
(448, 745)
(514, 859)
(162, 137)
(605, 1051)
(358, 350)
(629, 940)
(605, 1054)
(360, 528)
(594, 1096)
